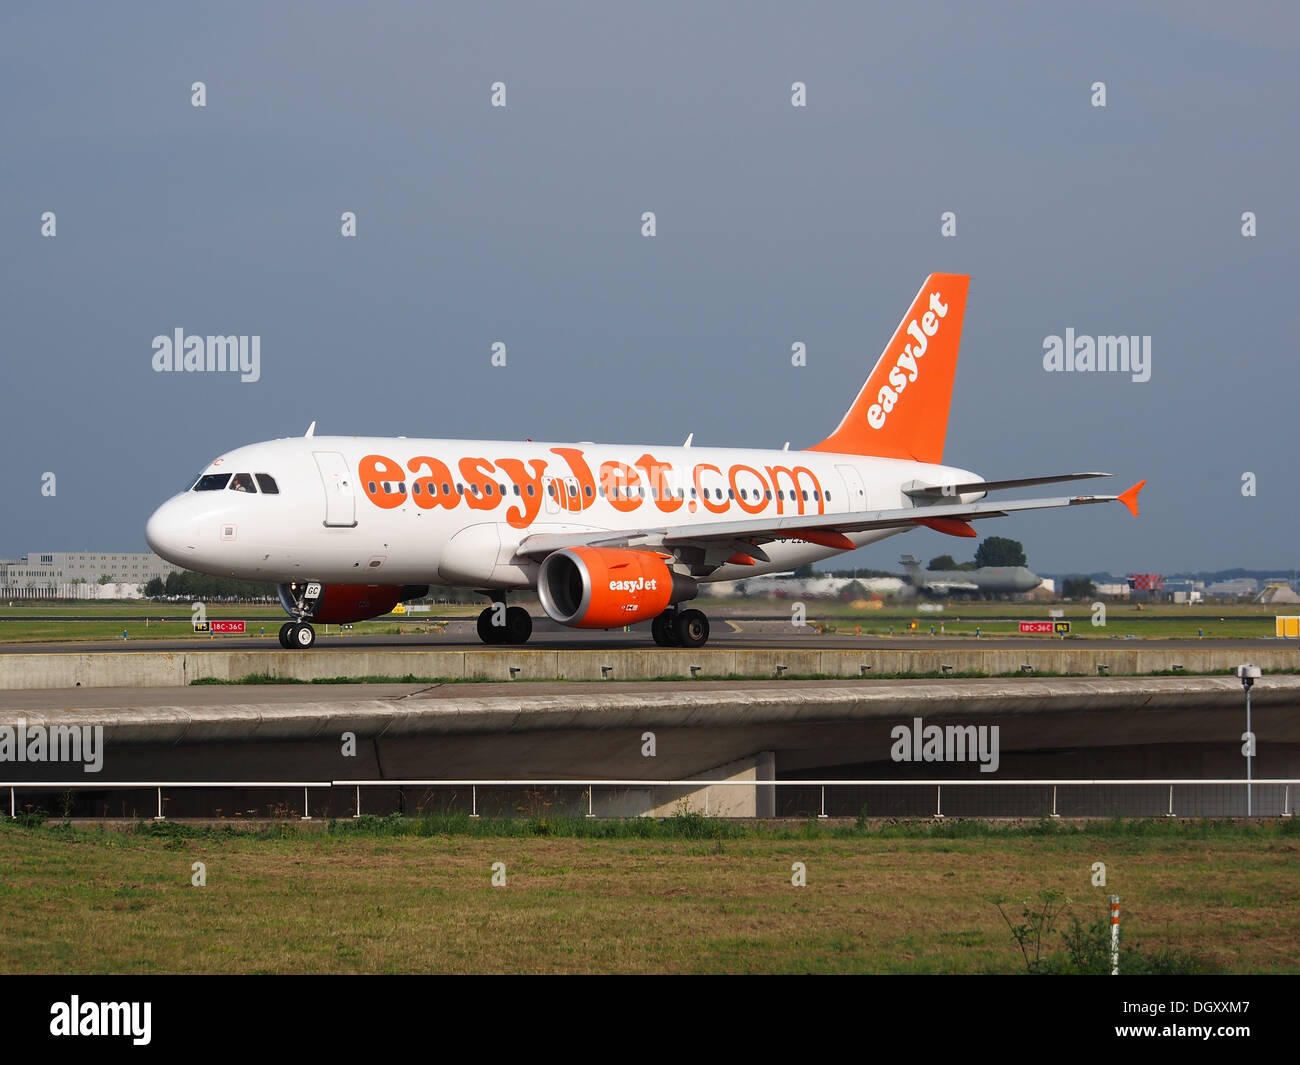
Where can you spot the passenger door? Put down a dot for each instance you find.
(340, 498)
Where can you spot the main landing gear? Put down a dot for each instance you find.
(499, 624)
(680, 628)
(297, 636)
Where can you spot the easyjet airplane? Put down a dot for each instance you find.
(608, 534)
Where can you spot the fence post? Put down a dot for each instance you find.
(823, 813)
(358, 813)
(12, 809)
(160, 813)
(1054, 813)
(590, 789)
(938, 802)
(473, 807)
(1171, 801)
(1114, 935)
(306, 810)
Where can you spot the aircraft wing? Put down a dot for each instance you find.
(749, 534)
(947, 491)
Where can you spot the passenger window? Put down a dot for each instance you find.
(516, 488)
(530, 490)
(587, 490)
(488, 489)
(267, 484)
(211, 482)
(372, 487)
(242, 482)
(460, 489)
(401, 488)
(388, 488)
(828, 497)
(503, 488)
(805, 495)
(415, 487)
(446, 488)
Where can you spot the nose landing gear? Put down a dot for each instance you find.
(297, 635)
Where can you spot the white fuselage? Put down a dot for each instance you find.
(376, 510)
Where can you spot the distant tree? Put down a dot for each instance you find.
(805, 571)
(155, 587)
(999, 551)
(107, 579)
(942, 562)
(1078, 588)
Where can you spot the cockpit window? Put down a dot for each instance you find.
(267, 484)
(211, 482)
(242, 482)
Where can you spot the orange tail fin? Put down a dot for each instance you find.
(902, 410)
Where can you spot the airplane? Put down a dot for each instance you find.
(609, 535)
(987, 580)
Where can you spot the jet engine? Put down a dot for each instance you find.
(606, 587)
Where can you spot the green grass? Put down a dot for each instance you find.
(687, 894)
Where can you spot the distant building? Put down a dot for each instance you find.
(77, 574)
(1146, 586)
(1241, 586)
(1278, 592)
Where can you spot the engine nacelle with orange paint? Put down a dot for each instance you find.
(608, 587)
(342, 603)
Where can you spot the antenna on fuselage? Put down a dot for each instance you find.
(689, 438)
(786, 446)
(311, 430)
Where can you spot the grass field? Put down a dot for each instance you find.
(686, 894)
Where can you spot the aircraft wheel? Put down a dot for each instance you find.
(489, 633)
(286, 635)
(691, 628)
(662, 629)
(304, 636)
(519, 625)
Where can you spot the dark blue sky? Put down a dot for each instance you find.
(775, 225)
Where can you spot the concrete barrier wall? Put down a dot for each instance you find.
(148, 669)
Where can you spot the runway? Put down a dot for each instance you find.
(726, 634)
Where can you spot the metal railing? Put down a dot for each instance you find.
(1045, 797)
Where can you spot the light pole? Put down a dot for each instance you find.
(1248, 674)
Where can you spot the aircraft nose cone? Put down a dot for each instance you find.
(166, 532)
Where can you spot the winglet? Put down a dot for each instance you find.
(1130, 498)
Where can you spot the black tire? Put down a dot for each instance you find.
(489, 633)
(662, 630)
(304, 637)
(519, 625)
(286, 635)
(691, 628)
